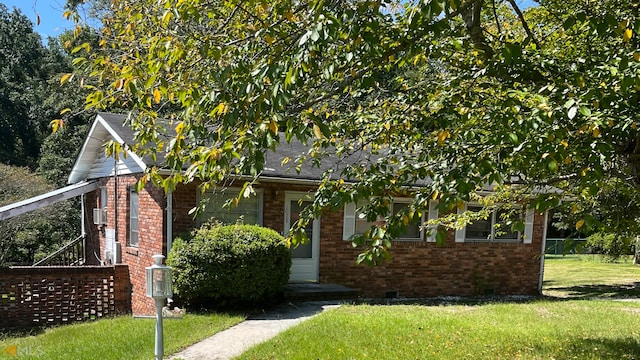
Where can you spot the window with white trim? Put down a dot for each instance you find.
(248, 211)
(356, 223)
(134, 217)
(494, 228)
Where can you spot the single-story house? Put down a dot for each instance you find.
(129, 227)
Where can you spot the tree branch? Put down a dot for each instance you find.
(525, 26)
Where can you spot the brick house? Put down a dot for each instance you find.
(130, 226)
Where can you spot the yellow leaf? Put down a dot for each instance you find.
(564, 143)
(273, 126)
(179, 127)
(65, 78)
(626, 36)
(289, 15)
(317, 131)
(156, 95)
(56, 124)
(387, 125)
(596, 132)
(636, 56)
(285, 161)
(118, 84)
(269, 39)
(221, 109)
(579, 224)
(67, 14)
(442, 136)
(64, 111)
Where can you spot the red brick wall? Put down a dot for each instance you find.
(424, 269)
(417, 268)
(152, 235)
(37, 296)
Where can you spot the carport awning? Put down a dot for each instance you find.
(40, 201)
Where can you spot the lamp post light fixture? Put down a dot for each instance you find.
(159, 287)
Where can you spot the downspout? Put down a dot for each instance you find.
(544, 248)
(169, 221)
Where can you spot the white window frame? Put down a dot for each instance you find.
(525, 237)
(259, 193)
(350, 217)
(134, 201)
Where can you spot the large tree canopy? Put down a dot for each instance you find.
(454, 94)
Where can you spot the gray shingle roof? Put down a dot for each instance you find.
(273, 167)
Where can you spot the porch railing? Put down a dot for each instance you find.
(72, 254)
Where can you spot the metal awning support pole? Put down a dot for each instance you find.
(83, 230)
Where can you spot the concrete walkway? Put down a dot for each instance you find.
(256, 329)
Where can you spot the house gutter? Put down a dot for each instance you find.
(544, 247)
(169, 221)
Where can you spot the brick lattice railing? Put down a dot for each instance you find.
(40, 296)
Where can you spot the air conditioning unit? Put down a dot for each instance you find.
(99, 216)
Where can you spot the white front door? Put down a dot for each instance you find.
(304, 262)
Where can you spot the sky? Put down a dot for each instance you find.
(51, 21)
(53, 24)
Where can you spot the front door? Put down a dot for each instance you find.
(304, 262)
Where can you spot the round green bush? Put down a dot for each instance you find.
(231, 264)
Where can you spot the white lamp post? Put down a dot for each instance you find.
(159, 287)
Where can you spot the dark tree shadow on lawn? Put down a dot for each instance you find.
(612, 291)
(601, 348)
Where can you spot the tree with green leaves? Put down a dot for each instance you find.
(455, 95)
(29, 237)
(30, 91)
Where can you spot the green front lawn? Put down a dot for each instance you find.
(564, 326)
(537, 330)
(119, 338)
(586, 276)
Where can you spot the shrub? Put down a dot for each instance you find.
(612, 246)
(236, 265)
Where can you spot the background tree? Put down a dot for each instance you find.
(21, 84)
(31, 236)
(455, 95)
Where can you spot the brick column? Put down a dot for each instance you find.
(122, 289)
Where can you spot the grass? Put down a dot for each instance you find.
(538, 330)
(118, 338)
(587, 276)
(572, 323)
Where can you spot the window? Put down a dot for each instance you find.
(249, 209)
(134, 215)
(356, 223)
(494, 227)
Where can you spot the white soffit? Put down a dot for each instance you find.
(99, 133)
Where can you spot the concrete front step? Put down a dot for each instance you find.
(295, 292)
